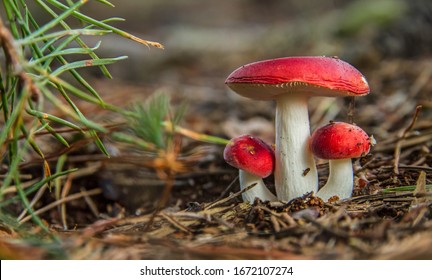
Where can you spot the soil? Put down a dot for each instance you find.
(113, 213)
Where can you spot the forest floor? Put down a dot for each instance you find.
(106, 210)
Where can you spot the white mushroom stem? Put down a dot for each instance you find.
(340, 181)
(295, 171)
(259, 190)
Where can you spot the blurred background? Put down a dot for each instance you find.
(388, 40)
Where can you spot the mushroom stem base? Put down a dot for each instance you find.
(340, 181)
(259, 190)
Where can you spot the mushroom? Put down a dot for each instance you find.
(255, 160)
(339, 142)
(291, 81)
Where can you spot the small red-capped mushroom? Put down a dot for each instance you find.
(255, 160)
(339, 142)
(291, 81)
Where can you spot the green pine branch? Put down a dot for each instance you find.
(28, 78)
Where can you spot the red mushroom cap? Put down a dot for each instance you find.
(250, 154)
(339, 140)
(312, 75)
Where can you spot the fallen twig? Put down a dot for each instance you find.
(402, 138)
(72, 197)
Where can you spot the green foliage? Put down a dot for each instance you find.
(40, 65)
(148, 123)
(152, 124)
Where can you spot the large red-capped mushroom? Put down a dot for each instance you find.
(339, 142)
(291, 81)
(255, 160)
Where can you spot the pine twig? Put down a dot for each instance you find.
(402, 139)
